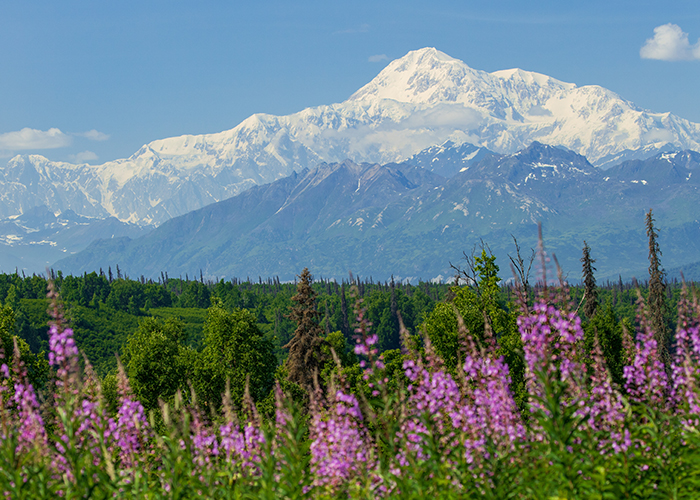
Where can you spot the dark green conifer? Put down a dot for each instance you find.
(305, 354)
(656, 301)
(590, 289)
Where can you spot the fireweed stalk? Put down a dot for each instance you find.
(32, 435)
(460, 436)
(340, 447)
(686, 364)
(645, 379)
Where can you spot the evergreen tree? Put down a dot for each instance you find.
(656, 301)
(345, 322)
(591, 292)
(305, 353)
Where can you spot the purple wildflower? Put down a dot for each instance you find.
(340, 447)
(31, 426)
(130, 430)
(204, 441)
(551, 341)
(686, 364)
(645, 378)
(492, 399)
(243, 446)
(605, 407)
(63, 354)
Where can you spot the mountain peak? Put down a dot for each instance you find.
(429, 76)
(424, 75)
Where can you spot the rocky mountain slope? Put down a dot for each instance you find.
(36, 239)
(404, 220)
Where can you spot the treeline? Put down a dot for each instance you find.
(104, 313)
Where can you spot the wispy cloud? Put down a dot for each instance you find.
(378, 58)
(363, 28)
(94, 135)
(670, 43)
(83, 157)
(29, 138)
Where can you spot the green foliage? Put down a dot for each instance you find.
(195, 294)
(37, 365)
(305, 360)
(84, 290)
(591, 291)
(127, 296)
(101, 333)
(156, 361)
(191, 319)
(481, 307)
(234, 350)
(607, 327)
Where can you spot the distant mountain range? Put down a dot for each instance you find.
(420, 100)
(425, 109)
(408, 221)
(36, 239)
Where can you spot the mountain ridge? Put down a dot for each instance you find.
(394, 219)
(420, 100)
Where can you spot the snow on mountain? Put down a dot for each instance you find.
(420, 100)
(404, 220)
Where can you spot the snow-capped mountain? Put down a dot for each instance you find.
(420, 100)
(38, 238)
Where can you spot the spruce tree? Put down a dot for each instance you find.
(305, 354)
(590, 290)
(656, 300)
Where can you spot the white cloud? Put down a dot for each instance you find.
(83, 157)
(378, 58)
(29, 138)
(94, 135)
(670, 43)
(658, 135)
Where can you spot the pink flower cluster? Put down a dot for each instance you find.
(645, 379)
(340, 446)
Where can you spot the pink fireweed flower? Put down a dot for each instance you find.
(130, 430)
(243, 447)
(63, 354)
(62, 346)
(494, 406)
(340, 446)
(605, 407)
(685, 368)
(30, 424)
(551, 341)
(645, 379)
(434, 397)
(204, 441)
(364, 341)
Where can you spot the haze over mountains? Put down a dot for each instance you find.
(404, 220)
(426, 107)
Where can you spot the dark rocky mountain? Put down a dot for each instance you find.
(404, 220)
(449, 158)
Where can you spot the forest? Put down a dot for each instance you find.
(527, 387)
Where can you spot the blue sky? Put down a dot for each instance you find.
(96, 80)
